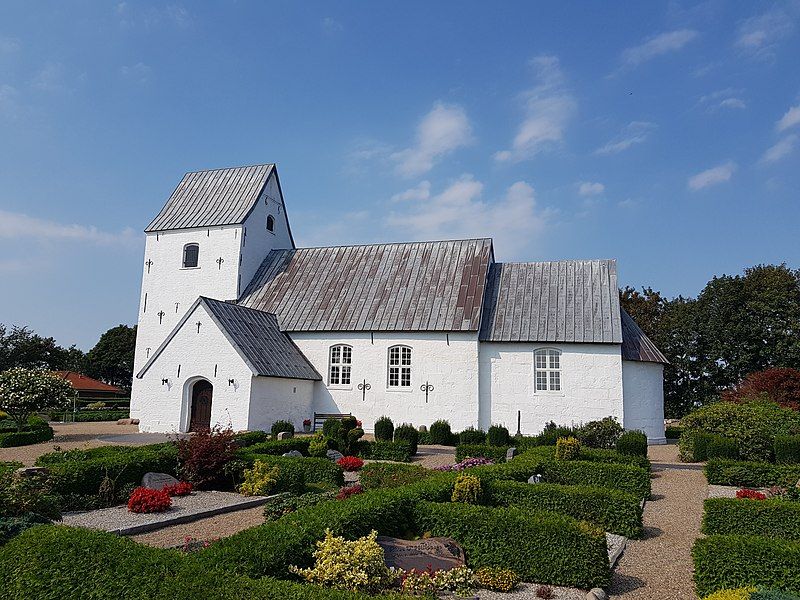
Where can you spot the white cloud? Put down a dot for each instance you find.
(588, 188)
(419, 192)
(331, 25)
(548, 107)
(713, 176)
(758, 36)
(459, 211)
(663, 43)
(18, 226)
(50, 78)
(633, 133)
(790, 119)
(443, 130)
(732, 103)
(138, 73)
(723, 99)
(782, 148)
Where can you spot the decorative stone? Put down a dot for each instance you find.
(31, 471)
(596, 594)
(422, 429)
(334, 455)
(157, 481)
(285, 435)
(535, 478)
(127, 421)
(438, 553)
(511, 453)
(293, 454)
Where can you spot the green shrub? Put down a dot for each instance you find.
(276, 447)
(89, 416)
(771, 518)
(388, 475)
(441, 434)
(496, 579)
(467, 489)
(632, 443)
(543, 547)
(26, 437)
(673, 432)
(600, 434)
(722, 447)
(697, 446)
(595, 455)
(730, 561)
(280, 427)
(787, 449)
(259, 480)
(384, 430)
(8, 467)
(407, 433)
(331, 427)
(568, 449)
(13, 526)
(472, 437)
(498, 436)
(496, 454)
(396, 451)
(613, 510)
(720, 471)
(283, 504)
(251, 438)
(297, 473)
(549, 435)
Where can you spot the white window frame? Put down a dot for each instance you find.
(183, 256)
(340, 359)
(399, 362)
(548, 371)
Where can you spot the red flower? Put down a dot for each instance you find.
(182, 488)
(350, 490)
(145, 500)
(350, 463)
(751, 494)
(359, 423)
(306, 422)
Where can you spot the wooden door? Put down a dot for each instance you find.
(201, 406)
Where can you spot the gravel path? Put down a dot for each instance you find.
(659, 567)
(211, 528)
(431, 457)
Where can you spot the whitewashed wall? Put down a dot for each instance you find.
(165, 408)
(452, 370)
(591, 382)
(643, 385)
(274, 398)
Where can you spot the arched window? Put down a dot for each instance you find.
(341, 360)
(399, 375)
(191, 255)
(270, 223)
(547, 368)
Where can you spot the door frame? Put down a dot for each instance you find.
(188, 393)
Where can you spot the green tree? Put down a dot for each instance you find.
(21, 347)
(112, 357)
(27, 391)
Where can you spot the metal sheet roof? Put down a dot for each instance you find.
(256, 337)
(636, 345)
(562, 301)
(210, 198)
(416, 286)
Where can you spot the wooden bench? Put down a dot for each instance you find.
(320, 418)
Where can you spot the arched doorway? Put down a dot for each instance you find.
(200, 415)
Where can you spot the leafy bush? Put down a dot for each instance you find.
(732, 561)
(260, 480)
(397, 451)
(568, 448)
(146, 500)
(780, 385)
(472, 437)
(697, 446)
(549, 435)
(722, 447)
(749, 494)
(600, 434)
(632, 443)
(13, 526)
(349, 490)
(89, 416)
(496, 454)
(276, 447)
(787, 449)
(467, 489)
(26, 437)
(496, 579)
(24, 392)
(203, 456)
(770, 518)
(467, 463)
(21, 496)
(318, 446)
(720, 471)
(182, 488)
(386, 475)
(673, 432)
(278, 506)
(350, 463)
(498, 436)
(280, 427)
(407, 433)
(250, 438)
(737, 594)
(384, 430)
(295, 474)
(441, 434)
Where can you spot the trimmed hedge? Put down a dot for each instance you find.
(494, 453)
(387, 475)
(407, 433)
(539, 546)
(787, 449)
(771, 518)
(297, 473)
(250, 438)
(91, 416)
(695, 446)
(35, 435)
(614, 511)
(472, 437)
(632, 443)
(597, 455)
(397, 451)
(721, 471)
(275, 447)
(673, 432)
(733, 561)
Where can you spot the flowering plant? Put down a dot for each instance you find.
(27, 391)
(350, 463)
(306, 422)
(182, 488)
(467, 463)
(145, 500)
(349, 490)
(751, 494)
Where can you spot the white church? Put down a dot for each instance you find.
(239, 327)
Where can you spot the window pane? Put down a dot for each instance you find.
(345, 375)
(347, 353)
(555, 380)
(405, 378)
(190, 255)
(334, 376)
(394, 356)
(541, 361)
(394, 377)
(335, 353)
(406, 356)
(554, 360)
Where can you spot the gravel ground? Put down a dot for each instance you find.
(727, 491)
(431, 457)
(210, 528)
(527, 591)
(659, 567)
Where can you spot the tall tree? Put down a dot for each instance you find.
(21, 347)
(112, 357)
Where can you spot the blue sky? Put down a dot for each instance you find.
(666, 135)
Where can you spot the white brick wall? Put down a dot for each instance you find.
(643, 383)
(273, 398)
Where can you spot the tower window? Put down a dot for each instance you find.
(270, 223)
(191, 255)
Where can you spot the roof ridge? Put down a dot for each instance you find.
(563, 260)
(231, 168)
(475, 239)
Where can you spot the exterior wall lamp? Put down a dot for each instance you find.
(231, 382)
(165, 382)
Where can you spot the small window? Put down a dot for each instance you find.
(340, 364)
(270, 223)
(191, 255)
(547, 368)
(399, 367)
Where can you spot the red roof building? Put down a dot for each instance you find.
(87, 387)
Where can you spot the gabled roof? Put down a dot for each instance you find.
(84, 383)
(563, 301)
(416, 286)
(255, 336)
(636, 345)
(210, 198)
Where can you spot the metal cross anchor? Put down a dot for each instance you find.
(219, 261)
(364, 386)
(149, 264)
(426, 387)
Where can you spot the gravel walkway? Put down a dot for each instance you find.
(211, 528)
(659, 567)
(431, 457)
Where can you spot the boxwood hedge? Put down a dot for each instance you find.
(33, 435)
(494, 453)
(721, 471)
(771, 518)
(389, 475)
(274, 447)
(296, 473)
(399, 451)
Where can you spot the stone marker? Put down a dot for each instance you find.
(438, 553)
(535, 478)
(334, 455)
(511, 453)
(127, 421)
(285, 435)
(31, 471)
(293, 454)
(596, 594)
(422, 429)
(157, 481)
